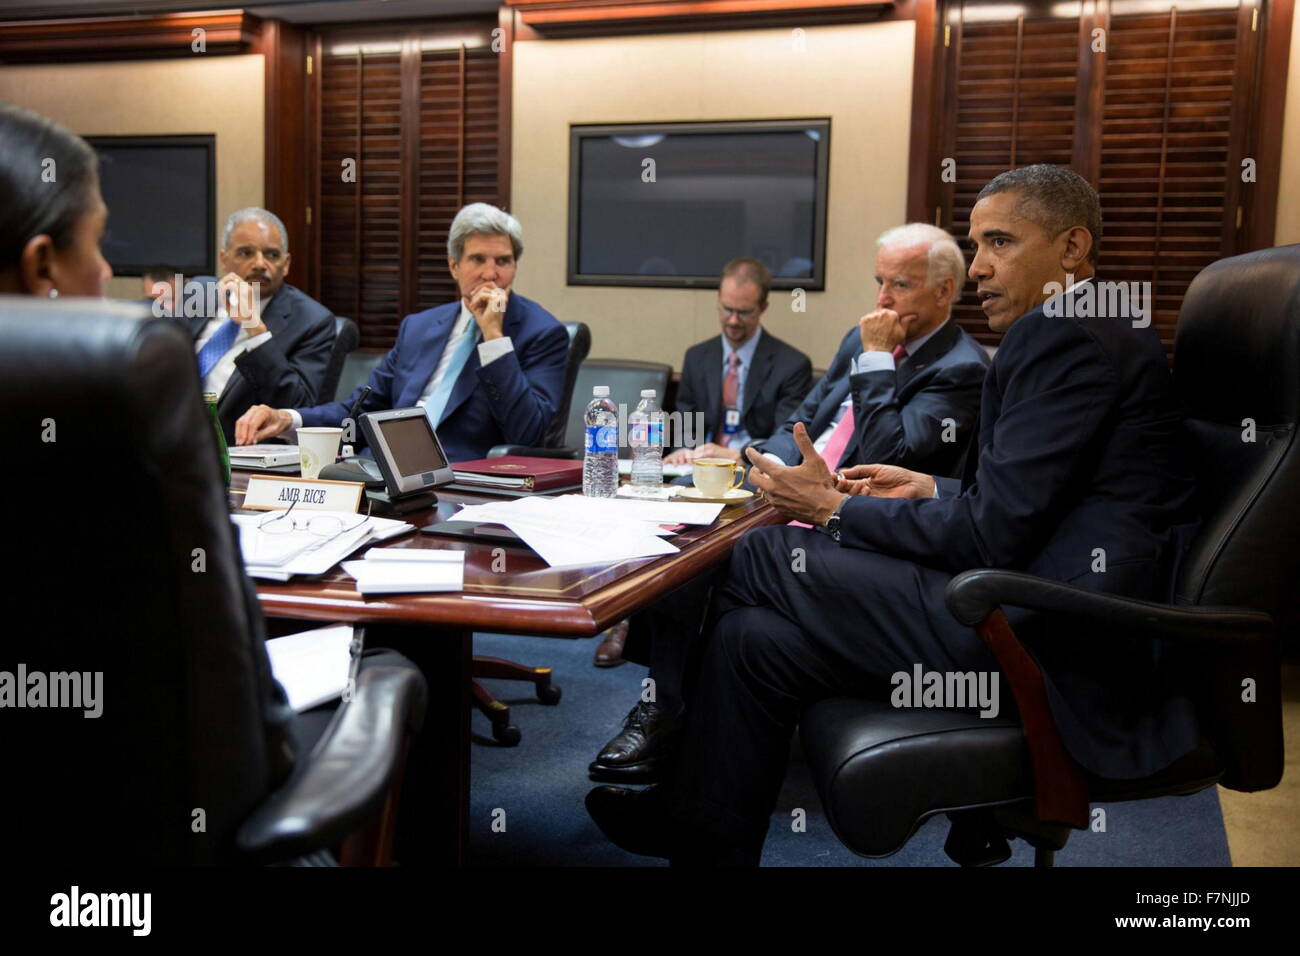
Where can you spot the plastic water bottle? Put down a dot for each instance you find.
(646, 436)
(600, 462)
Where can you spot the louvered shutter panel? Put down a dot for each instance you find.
(1016, 87)
(1165, 149)
(1175, 90)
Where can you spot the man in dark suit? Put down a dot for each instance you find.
(1080, 478)
(487, 369)
(269, 347)
(904, 385)
(743, 383)
(903, 388)
(735, 388)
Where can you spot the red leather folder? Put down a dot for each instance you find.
(519, 473)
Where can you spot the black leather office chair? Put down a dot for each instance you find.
(346, 339)
(357, 366)
(625, 378)
(881, 771)
(128, 567)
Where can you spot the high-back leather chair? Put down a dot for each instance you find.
(346, 339)
(553, 443)
(126, 566)
(881, 771)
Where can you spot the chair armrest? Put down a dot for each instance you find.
(500, 451)
(1233, 645)
(972, 595)
(346, 777)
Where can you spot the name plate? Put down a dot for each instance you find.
(272, 493)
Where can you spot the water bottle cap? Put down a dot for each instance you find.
(600, 391)
(647, 393)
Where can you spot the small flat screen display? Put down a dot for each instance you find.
(412, 445)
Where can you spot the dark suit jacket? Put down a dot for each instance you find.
(508, 401)
(285, 372)
(899, 415)
(1079, 458)
(777, 379)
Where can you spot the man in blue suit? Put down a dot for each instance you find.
(1080, 478)
(487, 369)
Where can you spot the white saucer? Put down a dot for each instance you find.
(730, 498)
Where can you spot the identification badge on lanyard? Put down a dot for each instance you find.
(731, 421)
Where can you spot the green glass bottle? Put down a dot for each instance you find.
(210, 399)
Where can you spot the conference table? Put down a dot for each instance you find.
(508, 589)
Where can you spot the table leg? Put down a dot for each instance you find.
(433, 822)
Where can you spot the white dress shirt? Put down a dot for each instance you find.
(488, 352)
(872, 361)
(219, 375)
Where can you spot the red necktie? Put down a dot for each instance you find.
(899, 354)
(730, 394)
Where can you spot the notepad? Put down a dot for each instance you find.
(408, 570)
(313, 666)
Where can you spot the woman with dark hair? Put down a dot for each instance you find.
(52, 216)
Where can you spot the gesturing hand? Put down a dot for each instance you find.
(805, 492)
(885, 481)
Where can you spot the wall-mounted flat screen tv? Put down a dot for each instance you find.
(161, 196)
(668, 204)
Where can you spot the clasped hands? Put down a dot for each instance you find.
(488, 304)
(810, 492)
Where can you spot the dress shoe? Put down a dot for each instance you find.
(638, 752)
(633, 820)
(638, 821)
(610, 651)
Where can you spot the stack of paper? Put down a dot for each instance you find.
(263, 456)
(576, 530)
(303, 550)
(407, 570)
(313, 666)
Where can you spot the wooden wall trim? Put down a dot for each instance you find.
(286, 189)
(127, 37)
(927, 99)
(504, 45)
(565, 18)
(1259, 226)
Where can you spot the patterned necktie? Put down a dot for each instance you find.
(438, 400)
(730, 395)
(216, 347)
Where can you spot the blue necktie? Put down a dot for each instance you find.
(438, 400)
(217, 346)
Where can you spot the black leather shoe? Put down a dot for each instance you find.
(638, 752)
(633, 820)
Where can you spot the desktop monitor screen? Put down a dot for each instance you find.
(161, 198)
(669, 204)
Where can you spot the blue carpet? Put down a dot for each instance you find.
(526, 802)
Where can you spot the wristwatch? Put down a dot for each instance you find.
(833, 522)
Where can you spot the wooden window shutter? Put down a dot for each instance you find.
(1154, 110)
(419, 114)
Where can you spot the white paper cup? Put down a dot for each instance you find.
(318, 447)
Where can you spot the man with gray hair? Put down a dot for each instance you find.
(487, 369)
(903, 389)
(273, 342)
(904, 386)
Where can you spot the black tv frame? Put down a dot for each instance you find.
(577, 132)
(207, 140)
